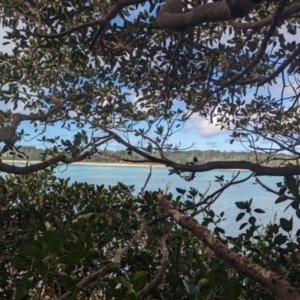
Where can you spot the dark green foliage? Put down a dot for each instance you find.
(54, 234)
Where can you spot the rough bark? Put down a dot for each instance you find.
(171, 16)
(8, 135)
(269, 279)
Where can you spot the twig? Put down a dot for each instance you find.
(147, 180)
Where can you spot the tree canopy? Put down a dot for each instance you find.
(134, 72)
(129, 67)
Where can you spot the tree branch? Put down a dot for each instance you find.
(42, 165)
(171, 16)
(103, 271)
(161, 272)
(263, 47)
(269, 279)
(287, 13)
(257, 169)
(8, 133)
(113, 12)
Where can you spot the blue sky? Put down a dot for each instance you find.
(197, 133)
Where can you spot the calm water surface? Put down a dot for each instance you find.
(111, 175)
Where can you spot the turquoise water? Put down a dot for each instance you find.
(133, 175)
(111, 175)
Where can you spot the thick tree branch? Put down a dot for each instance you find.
(43, 165)
(171, 16)
(278, 286)
(257, 169)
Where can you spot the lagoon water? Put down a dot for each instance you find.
(133, 175)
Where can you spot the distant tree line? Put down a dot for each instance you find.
(181, 157)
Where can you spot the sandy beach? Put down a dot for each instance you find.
(119, 164)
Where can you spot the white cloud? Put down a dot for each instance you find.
(203, 127)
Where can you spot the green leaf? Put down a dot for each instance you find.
(22, 289)
(252, 220)
(74, 256)
(220, 178)
(51, 241)
(295, 204)
(140, 274)
(125, 282)
(211, 213)
(243, 225)
(240, 216)
(281, 199)
(234, 289)
(282, 191)
(130, 297)
(292, 185)
(140, 282)
(241, 205)
(286, 225)
(219, 230)
(31, 251)
(67, 282)
(280, 239)
(180, 191)
(259, 211)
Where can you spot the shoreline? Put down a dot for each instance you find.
(139, 165)
(118, 164)
(90, 163)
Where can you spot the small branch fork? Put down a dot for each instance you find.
(278, 286)
(113, 12)
(104, 271)
(263, 47)
(8, 133)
